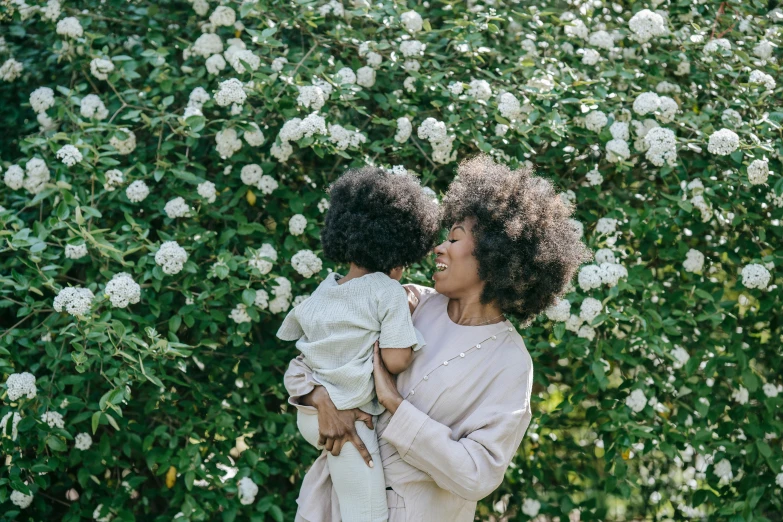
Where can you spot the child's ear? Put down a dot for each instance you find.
(396, 273)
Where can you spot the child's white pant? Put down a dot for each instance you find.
(360, 489)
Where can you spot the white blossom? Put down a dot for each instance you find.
(14, 417)
(76, 251)
(11, 70)
(723, 142)
(227, 142)
(346, 76)
(262, 299)
(306, 263)
(365, 76)
(480, 89)
(122, 290)
(54, 419)
(755, 276)
(74, 300)
(92, 106)
(42, 99)
(176, 207)
(589, 277)
(404, 129)
(69, 155)
(230, 91)
(171, 257)
(82, 441)
(223, 16)
(560, 311)
(411, 21)
(636, 400)
(21, 385)
(531, 507)
(604, 255)
(723, 471)
(758, 172)
(646, 24)
(101, 68)
(410, 48)
(297, 224)
(263, 259)
(137, 191)
(247, 490)
(124, 146)
(21, 500)
(207, 191)
(14, 177)
(595, 121)
(694, 261)
(661, 145)
(239, 314)
(311, 96)
(590, 309)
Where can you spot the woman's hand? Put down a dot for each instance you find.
(385, 385)
(336, 427)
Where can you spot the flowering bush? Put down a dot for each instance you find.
(164, 169)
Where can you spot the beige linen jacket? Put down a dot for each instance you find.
(448, 445)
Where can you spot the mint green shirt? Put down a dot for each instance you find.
(337, 326)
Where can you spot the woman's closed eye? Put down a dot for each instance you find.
(452, 240)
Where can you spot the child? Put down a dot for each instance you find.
(377, 222)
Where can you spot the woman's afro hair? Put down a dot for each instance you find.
(379, 220)
(527, 250)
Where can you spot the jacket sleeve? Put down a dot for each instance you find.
(473, 466)
(290, 330)
(299, 382)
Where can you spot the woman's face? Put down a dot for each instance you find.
(456, 273)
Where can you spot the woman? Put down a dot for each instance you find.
(456, 417)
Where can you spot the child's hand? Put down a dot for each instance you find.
(336, 427)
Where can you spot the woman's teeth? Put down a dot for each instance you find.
(440, 267)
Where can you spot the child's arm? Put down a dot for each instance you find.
(397, 360)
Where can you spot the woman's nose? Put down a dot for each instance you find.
(440, 249)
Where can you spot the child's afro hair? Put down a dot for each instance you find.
(379, 220)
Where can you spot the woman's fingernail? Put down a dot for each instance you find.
(372, 465)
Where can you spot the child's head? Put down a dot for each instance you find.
(378, 220)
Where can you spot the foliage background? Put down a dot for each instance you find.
(177, 394)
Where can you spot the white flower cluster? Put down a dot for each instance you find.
(283, 295)
(596, 120)
(345, 76)
(646, 25)
(365, 76)
(244, 55)
(723, 142)
(208, 44)
(560, 311)
(92, 106)
(604, 255)
(255, 137)
(435, 131)
(70, 27)
(594, 177)
(636, 400)
(758, 171)
(124, 146)
(207, 191)
(54, 419)
(177, 207)
(223, 16)
(306, 263)
(723, 471)
(171, 257)
(755, 276)
(69, 155)
(762, 78)
(247, 490)
(76, 251)
(21, 500)
(593, 276)
(664, 107)
(590, 309)
(661, 145)
(21, 385)
(262, 299)
(230, 91)
(42, 99)
(681, 357)
(227, 142)
(694, 261)
(239, 314)
(480, 89)
(137, 191)
(278, 63)
(35, 181)
(410, 48)
(82, 441)
(411, 21)
(101, 68)
(311, 97)
(263, 259)
(716, 45)
(75, 300)
(11, 70)
(122, 290)
(404, 129)
(15, 418)
(509, 106)
(297, 224)
(344, 138)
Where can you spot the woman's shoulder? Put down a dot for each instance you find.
(515, 350)
(419, 293)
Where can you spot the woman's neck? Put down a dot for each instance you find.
(470, 311)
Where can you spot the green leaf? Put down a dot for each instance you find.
(249, 296)
(96, 418)
(55, 443)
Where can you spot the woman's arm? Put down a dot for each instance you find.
(473, 466)
(335, 427)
